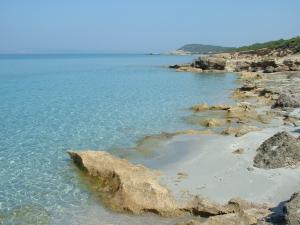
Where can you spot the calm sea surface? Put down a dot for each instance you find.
(51, 103)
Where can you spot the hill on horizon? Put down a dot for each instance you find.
(292, 44)
(203, 49)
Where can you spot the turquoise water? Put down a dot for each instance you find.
(51, 103)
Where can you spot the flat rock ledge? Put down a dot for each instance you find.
(125, 187)
(280, 150)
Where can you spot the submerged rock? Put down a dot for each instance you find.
(124, 186)
(213, 122)
(292, 210)
(204, 107)
(278, 151)
(200, 107)
(242, 112)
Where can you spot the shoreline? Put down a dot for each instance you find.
(194, 172)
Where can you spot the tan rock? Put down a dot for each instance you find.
(124, 186)
(242, 112)
(189, 69)
(205, 107)
(239, 131)
(239, 151)
(247, 217)
(190, 222)
(200, 107)
(219, 107)
(213, 122)
(250, 75)
(206, 208)
(132, 188)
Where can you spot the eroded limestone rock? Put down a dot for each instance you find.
(124, 186)
(287, 100)
(280, 150)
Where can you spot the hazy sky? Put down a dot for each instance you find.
(140, 25)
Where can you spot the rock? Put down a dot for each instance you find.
(176, 66)
(206, 208)
(239, 151)
(200, 107)
(205, 107)
(210, 63)
(292, 210)
(250, 75)
(190, 222)
(242, 66)
(219, 107)
(280, 150)
(269, 69)
(239, 131)
(242, 112)
(213, 122)
(287, 100)
(243, 217)
(264, 65)
(248, 86)
(292, 64)
(124, 186)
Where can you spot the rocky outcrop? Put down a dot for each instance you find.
(124, 186)
(287, 99)
(263, 60)
(210, 63)
(292, 210)
(134, 188)
(280, 150)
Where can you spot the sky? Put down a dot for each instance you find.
(136, 26)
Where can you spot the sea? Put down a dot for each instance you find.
(50, 103)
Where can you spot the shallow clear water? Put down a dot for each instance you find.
(51, 103)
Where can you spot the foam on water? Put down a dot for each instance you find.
(50, 103)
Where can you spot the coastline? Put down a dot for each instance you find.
(202, 169)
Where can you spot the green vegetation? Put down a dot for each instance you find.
(292, 44)
(204, 49)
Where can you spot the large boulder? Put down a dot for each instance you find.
(280, 150)
(124, 186)
(292, 210)
(210, 63)
(287, 99)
